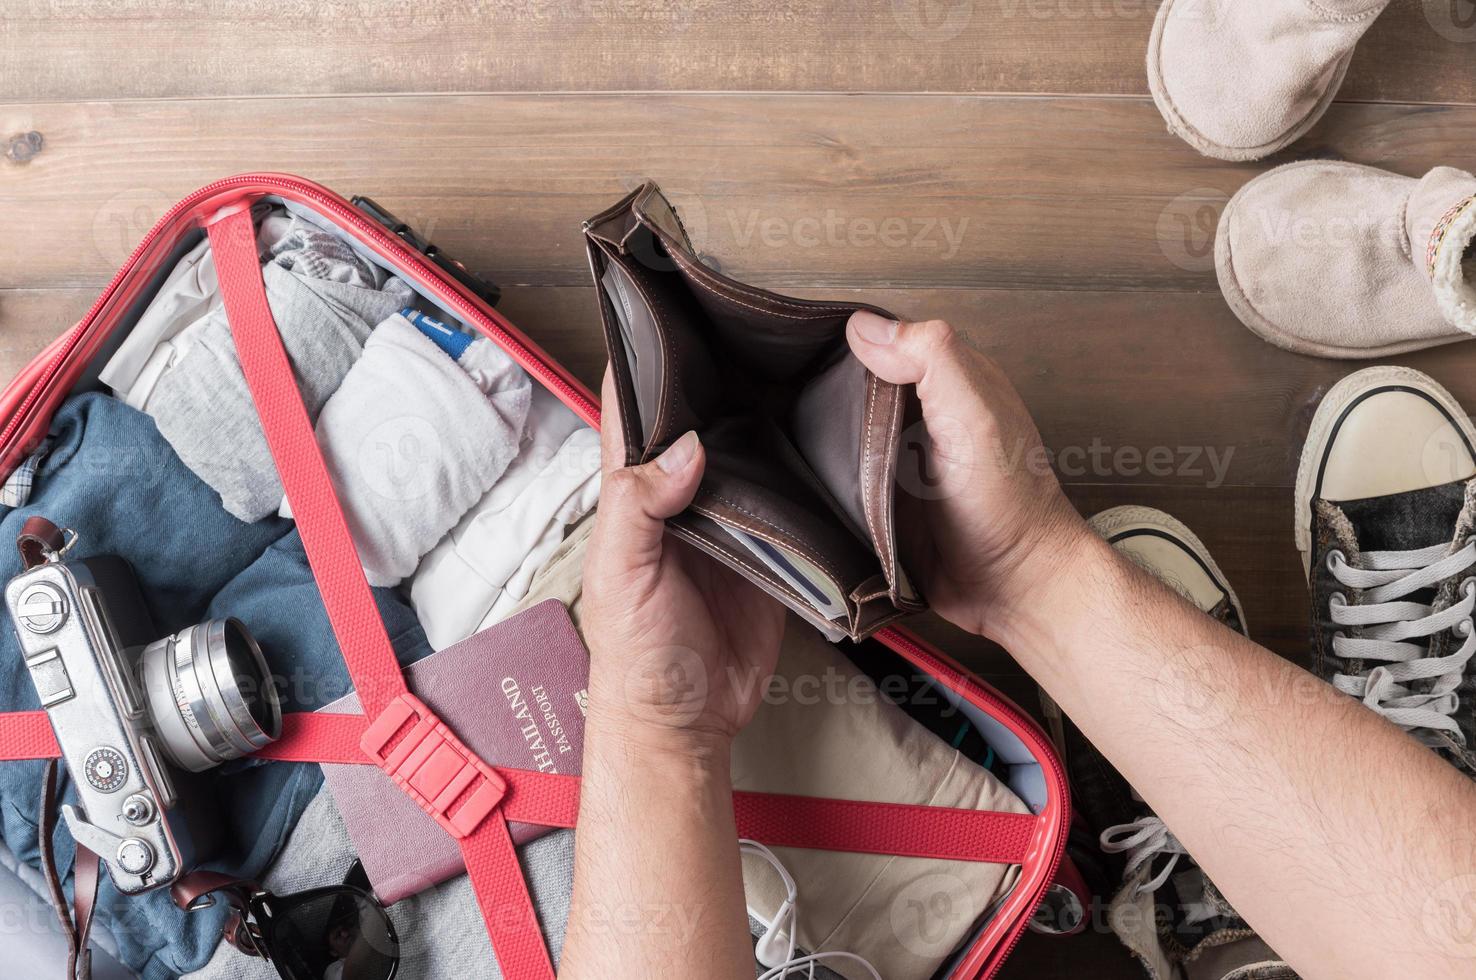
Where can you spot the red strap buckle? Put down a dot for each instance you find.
(433, 766)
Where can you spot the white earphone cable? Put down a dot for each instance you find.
(787, 921)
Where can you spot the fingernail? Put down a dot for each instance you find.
(678, 454)
(872, 328)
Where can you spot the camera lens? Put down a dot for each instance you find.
(210, 694)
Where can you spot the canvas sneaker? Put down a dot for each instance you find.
(1162, 907)
(1384, 515)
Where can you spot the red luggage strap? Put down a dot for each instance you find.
(428, 762)
(471, 800)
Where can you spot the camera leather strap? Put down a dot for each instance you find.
(76, 923)
(38, 540)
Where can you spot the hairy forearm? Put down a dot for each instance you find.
(658, 888)
(1331, 831)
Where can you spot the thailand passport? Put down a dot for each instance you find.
(516, 694)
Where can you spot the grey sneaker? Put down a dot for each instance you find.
(1384, 523)
(1163, 908)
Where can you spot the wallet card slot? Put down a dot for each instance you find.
(828, 425)
(644, 356)
(680, 389)
(801, 440)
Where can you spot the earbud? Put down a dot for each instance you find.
(776, 946)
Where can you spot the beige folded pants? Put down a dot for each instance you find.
(825, 730)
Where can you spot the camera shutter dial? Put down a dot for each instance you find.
(106, 769)
(42, 608)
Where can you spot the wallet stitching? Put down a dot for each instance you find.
(889, 523)
(880, 541)
(700, 279)
(804, 610)
(784, 537)
(761, 573)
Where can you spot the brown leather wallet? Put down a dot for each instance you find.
(801, 439)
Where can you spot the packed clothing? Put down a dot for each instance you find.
(469, 492)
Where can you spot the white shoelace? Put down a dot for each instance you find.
(1144, 840)
(1412, 689)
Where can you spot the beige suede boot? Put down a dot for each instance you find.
(1240, 79)
(1341, 260)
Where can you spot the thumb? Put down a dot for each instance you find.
(900, 352)
(636, 501)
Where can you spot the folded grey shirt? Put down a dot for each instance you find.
(204, 408)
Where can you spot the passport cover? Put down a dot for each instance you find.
(516, 694)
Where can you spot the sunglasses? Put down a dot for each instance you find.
(336, 933)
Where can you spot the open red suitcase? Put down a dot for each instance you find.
(222, 210)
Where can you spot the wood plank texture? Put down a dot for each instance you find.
(1096, 370)
(1419, 50)
(1135, 390)
(790, 190)
(992, 162)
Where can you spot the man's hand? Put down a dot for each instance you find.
(994, 520)
(681, 646)
(1271, 789)
(681, 650)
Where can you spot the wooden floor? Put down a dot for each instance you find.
(993, 162)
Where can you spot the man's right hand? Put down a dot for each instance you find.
(991, 520)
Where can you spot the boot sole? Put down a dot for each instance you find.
(1181, 128)
(1245, 311)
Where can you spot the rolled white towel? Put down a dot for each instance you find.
(412, 443)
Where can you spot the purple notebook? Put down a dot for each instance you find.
(516, 694)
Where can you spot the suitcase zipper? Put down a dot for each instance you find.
(420, 270)
(426, 275)
(930, 660)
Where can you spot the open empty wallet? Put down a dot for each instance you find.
(802, 440)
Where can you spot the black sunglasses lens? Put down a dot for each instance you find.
(341, 935)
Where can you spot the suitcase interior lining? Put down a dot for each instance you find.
(1025, 776)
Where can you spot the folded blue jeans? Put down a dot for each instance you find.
(111, 477)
